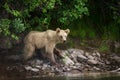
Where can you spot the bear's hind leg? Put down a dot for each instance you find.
(28, 51)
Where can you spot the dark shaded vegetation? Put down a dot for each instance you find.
(95, 21)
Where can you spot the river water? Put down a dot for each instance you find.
(76, 78)
(82, 77)
(105, 77)
(86, 76)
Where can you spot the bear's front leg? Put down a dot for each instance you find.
(52, 59)
(49, 51)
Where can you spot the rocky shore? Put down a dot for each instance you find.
(75, 61)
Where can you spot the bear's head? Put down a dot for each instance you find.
(62, 35)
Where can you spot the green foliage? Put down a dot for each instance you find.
(103, 47)
(30, 5)
(4, 27)
(40, 23)
(102, 20)
(71, 44)
(83, 29)
(39, 14)
(111, 32)
(14, 36)
(11, 28)
(17, 26)
(72, 10)
(16, 13)
(99, 24)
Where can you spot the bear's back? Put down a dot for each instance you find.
(40, 39)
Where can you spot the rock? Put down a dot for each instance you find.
(75, 71)
(77, 64)
(117, 70)
(92, 62)
(75, 51)
(91, 57)
(57, 70)
(115, 57)
(76, 54)
(107, 62)
(71, 50)
(86, 54)
(52, 69)
(81, 58)
(96, 68)
(66, 60)
(74, 67)
(117, 44)
(29, 68)
(73, 57)
(66, 69)
(45, 65)
(43, 68)
(39, 67)
(34, 69)
(35, 62)
(65, 52)
(98, 54)
(39, 62)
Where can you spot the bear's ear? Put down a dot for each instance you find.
(67, 31)
(58, 30)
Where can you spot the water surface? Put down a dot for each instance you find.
(83, 76)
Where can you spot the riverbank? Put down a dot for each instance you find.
(75, 63)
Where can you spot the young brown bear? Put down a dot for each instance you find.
(47, 40)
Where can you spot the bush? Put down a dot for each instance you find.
(4, 27)
(17, 26)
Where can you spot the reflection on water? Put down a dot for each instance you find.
(89, 76)
(76, 78)
(86, 76)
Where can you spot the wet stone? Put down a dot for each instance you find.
(116, 70)
(91, 57)
(81, 57)
(77, 64)
(75, 71)
(66, 69)
(92, 62)
(34, 69)
(67, 61)
(45, 65)
(29, 68)
(96, 68)
(39, 67)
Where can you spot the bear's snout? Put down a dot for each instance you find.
(64, 41)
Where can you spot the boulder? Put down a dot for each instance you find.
(67, 61)
(90, 61)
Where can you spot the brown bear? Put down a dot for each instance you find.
(47, 40)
